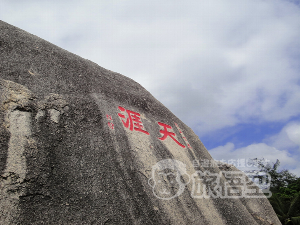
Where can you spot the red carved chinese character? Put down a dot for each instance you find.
(110, 125)
(166, 133)
(184, 138)
(108, 117)
(178, 128)
(133, 121)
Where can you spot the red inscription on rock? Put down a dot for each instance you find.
(110, 123)
(108, 117)
(167, 133)
(133, 120)
(184, 138)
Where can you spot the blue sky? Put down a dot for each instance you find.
(230, 69)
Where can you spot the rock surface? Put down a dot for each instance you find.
(84, 145)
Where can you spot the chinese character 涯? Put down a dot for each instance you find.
(133, 120)
(167, 133)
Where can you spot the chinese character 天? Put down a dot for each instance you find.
(167, 133)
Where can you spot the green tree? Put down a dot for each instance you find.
(285, 188)
(279, 179)
(290, 190)
(287, 211)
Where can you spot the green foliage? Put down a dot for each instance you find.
(288, 211)
(283, 182)
(285, 188)
(295, 220)
(290, 190)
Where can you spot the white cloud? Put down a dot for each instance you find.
(276, 147)
(293, 132)
(260, 150)
(287, 138)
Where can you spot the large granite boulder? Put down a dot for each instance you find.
(84, 145)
